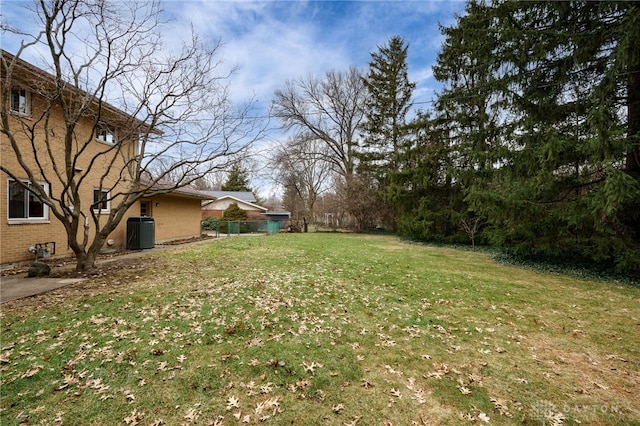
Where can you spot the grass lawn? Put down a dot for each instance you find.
(326, 329)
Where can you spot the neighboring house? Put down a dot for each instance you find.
(217, 207)
(240, 195)
(282, 217)
(26, 221)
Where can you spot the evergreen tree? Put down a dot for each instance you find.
(389, 99)
(574, 180)
(554, 167)
(469, 106)
(237, 180)
(468, 113)
(428, 196)
(459, 147)
(234, 212)
(385, 129)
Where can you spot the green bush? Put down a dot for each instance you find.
(233, 212)
(210, 224)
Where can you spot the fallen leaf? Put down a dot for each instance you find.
(501, 406)
(192, 413)
(483, 418)
(354, 422)
(133, 418)
(311, 367)
(232, 403)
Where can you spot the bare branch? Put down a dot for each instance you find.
(101, 59)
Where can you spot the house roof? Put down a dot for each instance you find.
(278, 214)
(169, 188)
(238, 195)
(41, 79)
(236, 200)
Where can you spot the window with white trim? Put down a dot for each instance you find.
(25, 205)
(106, 135)
(101, 201)
(20, 101)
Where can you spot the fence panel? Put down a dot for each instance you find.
(237, 227)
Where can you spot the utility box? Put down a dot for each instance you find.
(141, 233)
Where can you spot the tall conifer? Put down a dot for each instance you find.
(385, 128)
(389, 99)
(555, 170)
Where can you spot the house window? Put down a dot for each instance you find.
(20, 101)
(106, 135)
(101, 202)
(24, 205)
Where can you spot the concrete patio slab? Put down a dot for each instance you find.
(19, 286)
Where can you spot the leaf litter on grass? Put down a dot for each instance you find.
(325, 329)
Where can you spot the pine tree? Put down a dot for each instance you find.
(468, 107)
(539, 122)
(446, 155)
(428, 196)
(389, 99)
(564, 84)
(385, 128)
(237, 180)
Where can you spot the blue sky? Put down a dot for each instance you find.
(271, 42)
(279, 40)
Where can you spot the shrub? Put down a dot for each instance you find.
(210, 224)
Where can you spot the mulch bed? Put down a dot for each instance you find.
(65, 267)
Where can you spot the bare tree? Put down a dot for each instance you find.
(206, 182)
(303, 171)
(358, 198)
(471, 226)
(330, 111)
(103, 54)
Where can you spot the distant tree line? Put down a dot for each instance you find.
(533, 145)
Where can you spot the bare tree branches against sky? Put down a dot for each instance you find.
(272, 41)
(266, 43)
(279, 40)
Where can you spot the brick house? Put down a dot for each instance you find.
(25, 221)
(219, 201)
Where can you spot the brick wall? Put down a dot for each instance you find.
(17, 236)
(175, 217)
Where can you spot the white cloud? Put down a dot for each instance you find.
(268, 43)
(273, 41)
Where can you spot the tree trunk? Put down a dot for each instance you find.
(85, 261)
(86, 256)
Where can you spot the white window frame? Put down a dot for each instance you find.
(18, 220)
(23, 96)
(105, 206)
(106, 135)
